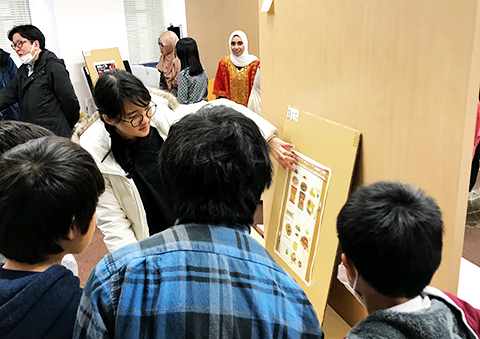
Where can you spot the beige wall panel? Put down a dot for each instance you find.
(210, 23)
(404, 73)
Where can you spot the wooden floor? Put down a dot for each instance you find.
(90, 258)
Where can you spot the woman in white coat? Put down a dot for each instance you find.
(125, 144)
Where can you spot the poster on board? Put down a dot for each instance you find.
(103, 66)
(301, 215)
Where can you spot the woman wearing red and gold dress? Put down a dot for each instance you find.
(237, 72)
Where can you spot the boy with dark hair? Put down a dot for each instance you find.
(13, 133)
(204, 277)
(391, 238)
(49, 190)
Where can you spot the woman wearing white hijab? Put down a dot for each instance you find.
(238, 72)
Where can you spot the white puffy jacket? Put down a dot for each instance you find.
(120, 213)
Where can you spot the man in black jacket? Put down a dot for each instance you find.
(42, 85)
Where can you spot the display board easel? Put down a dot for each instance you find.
(334, 146)
(100, 60)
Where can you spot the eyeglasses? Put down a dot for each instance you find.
(138, 119)
(19, 44)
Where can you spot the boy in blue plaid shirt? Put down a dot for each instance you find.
(205, 276)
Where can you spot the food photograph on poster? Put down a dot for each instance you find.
(301, 215)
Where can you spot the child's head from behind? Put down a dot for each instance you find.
(49, 190)
(13, 133)
(392, 233)
(221, 164)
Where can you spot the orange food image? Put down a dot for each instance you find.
(301, 200)
(304, 241)
(293, 193)
(303, 186)
(288, 229)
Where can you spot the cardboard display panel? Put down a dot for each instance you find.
(301, 215)
(100, 60)
(334, 147)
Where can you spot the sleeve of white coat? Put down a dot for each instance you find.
(164, 117)
(268, 130)
(254, 101)
(112, 221)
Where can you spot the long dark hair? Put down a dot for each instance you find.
(187, 52)
(111, 91)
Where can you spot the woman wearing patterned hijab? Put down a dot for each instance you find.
(169, 65)
(237, 72)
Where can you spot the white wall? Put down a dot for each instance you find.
(43, 16)
(175, 14)
(89, 24)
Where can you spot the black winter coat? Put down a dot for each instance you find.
(46, 97)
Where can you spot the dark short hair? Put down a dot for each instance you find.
(187, 53)
(393, 235)
(47, 186)
(13, 133)
(29, 32)
(111, 91)
(215, 166)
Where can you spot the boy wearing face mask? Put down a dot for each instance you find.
(391, 238)
(42, 86)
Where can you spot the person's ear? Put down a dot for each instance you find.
(351, 272)
(108, 120)
(72, 232)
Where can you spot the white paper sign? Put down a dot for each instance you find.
(292, 114)
(266, 5)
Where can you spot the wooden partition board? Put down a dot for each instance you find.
(94, 56)
(405, 73)
(334, 146)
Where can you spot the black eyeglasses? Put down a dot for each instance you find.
(138, 119)
(19, 44)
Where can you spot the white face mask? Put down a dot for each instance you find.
(343, 277)
(28, 58)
